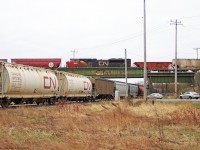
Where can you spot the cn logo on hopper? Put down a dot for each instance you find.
(49, 82)
(86, 85)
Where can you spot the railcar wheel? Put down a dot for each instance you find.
(30, 101)
(38, 102)
(5, 104)
(17, 101)
(51, 101)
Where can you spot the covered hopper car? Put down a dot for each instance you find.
(39, 62)
(19, 82)
(4, 60)
(74, 86)
(155, 66)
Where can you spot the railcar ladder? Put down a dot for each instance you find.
(1, 79)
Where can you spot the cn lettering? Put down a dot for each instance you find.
(103, 63)
(86, 85)
(49, 82)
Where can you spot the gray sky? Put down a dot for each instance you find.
(98, 29)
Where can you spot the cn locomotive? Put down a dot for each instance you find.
(88, 62)
(28, 84)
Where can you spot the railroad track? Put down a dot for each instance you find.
(14, 106)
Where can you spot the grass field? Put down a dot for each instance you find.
(123, 125)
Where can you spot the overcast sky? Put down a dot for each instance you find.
(98, 29)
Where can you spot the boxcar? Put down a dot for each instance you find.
(103, 88)
(121, 87)
(133, 90)
(188, 64)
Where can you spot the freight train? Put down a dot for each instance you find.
(21, 83)
(182, 64)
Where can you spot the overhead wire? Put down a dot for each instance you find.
(189, 17)
(137, 35)
(125, 38)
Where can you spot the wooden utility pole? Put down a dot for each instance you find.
(74, 52)
(126, 74)
(145, 63)
(176, 23)
(197, 49)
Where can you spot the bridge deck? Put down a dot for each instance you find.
(116, 72)
(106, 72)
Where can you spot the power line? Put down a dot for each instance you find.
(132, 36)
(190, 17)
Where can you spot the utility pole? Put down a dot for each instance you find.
(176, 23)
(197, 49)
(145, 63)
(126, 75)
(74, 52)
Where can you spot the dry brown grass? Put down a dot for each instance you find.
(106, 125)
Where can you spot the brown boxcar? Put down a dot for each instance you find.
(37, 62)
(102, 88)
(187, 64)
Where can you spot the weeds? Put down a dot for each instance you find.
(106, 125)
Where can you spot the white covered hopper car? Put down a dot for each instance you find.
(19, 82)
(74, 86)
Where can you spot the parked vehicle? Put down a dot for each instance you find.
(155, 96)
(189, 95)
